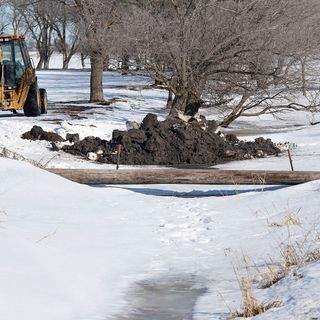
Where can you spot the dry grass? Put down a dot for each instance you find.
(292, 256)
(295, 256)
(313, 256)
(289, 219)
(250, 305)
(6, 153)
(270, 275)
(295, 252)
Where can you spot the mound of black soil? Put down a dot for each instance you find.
(172, 142)
(37, 133)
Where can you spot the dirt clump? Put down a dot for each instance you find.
(72, 137)
(172, 142)
(86, 146)
(37, 133)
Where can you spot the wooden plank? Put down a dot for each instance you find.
(186, 176)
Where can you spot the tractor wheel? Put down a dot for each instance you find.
(43, 100)
(32, 106)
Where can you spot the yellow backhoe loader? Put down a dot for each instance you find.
(18, 82)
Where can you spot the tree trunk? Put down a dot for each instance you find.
(187, 103)
(169, 100)
(303, 76)
(67, 55)
(157, 82)
(125, 63)
(236, 112)
(43, 61)
(65, 65)
(83, 60)
(138, 63)
(40, 64)
(228, 119)
(96, 79)
(66, 60)
(46, 64)
(106, 64)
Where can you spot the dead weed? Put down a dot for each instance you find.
(6, 153)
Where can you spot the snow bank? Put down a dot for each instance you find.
(64, 245)
(71, 251)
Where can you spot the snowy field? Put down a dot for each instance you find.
(71, 251)
(69, 112)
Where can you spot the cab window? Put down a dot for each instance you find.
(20, 65)
(8, 64)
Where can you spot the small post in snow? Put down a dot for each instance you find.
(119, 149)
(290, 147)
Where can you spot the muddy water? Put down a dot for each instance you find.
(166, 298)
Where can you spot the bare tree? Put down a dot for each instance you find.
(3, 26)
(17, 23)
(241, 55)
(36, 18)
(230, 50)
(66, 33)
(4, 21)
(277, 74)
(96, 20)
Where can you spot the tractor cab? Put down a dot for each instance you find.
(15, 60)
(18, 83)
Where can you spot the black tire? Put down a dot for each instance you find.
(43, 100)
(32, 106)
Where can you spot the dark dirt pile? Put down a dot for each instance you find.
(172, 142)
(37, 133)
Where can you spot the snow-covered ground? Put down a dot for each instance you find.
(71, 251)
(69, 112)
(74, 252)
(56, 61)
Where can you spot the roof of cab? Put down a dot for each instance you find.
(11, 36)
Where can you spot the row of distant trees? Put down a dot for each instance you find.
(243, 56)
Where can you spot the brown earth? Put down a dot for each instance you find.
(172, 142)
(37, 133)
